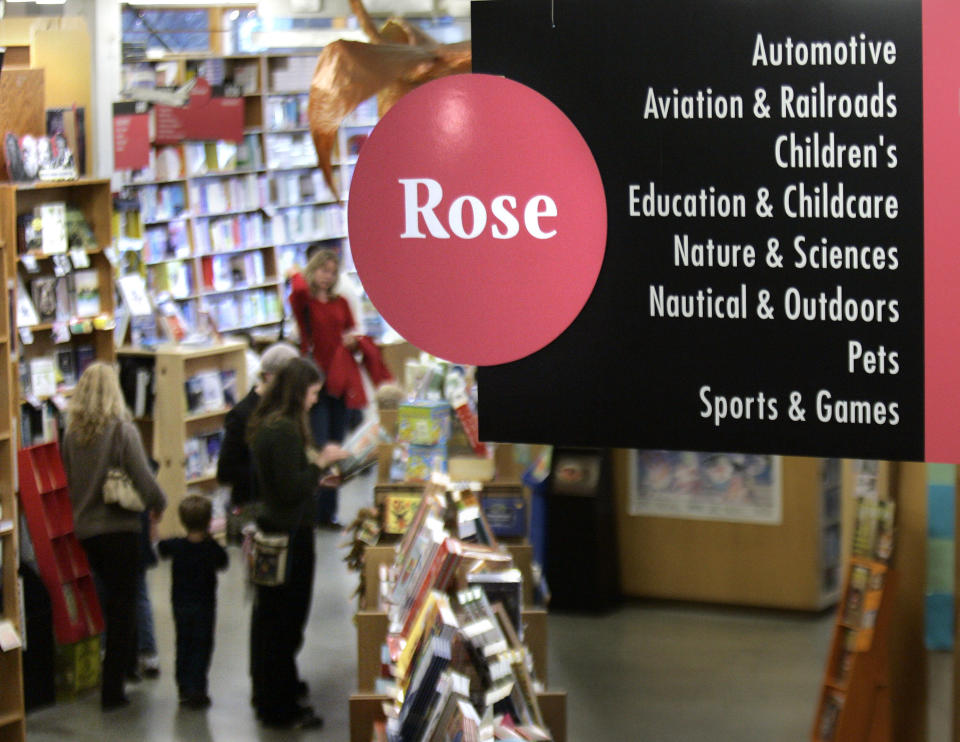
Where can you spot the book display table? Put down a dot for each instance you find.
(397, 635)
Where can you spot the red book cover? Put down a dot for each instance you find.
(207, 272)
(471, 426)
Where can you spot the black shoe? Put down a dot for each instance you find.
(330, 525)
(308, 720)
(196, 701)
(302, 718)
(113, 704)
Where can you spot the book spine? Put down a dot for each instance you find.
(427, 583)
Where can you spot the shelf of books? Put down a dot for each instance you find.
(855, 701)
(220, 222)
(12, 723)
(451, 644)
(64, 300)
(182, 423)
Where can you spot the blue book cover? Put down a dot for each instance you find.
(507, 516)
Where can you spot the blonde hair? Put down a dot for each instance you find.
(318, 260)
(96, 402)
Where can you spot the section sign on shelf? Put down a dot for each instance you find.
(780, 269)
(131, 135)
(204, 117)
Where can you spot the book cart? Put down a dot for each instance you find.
(182, 427)
(12, 723)
(400, 507)
(855, 701)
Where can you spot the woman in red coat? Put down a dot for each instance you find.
(326, 331)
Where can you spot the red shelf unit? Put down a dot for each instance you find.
(60, 557)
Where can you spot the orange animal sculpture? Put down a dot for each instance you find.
(398, 58)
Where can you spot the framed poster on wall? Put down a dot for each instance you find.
(706, 486)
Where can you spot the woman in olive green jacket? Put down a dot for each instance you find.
(286, 480)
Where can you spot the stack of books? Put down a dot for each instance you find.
(161, 203)
(211, 391)
(221, 195)
(201, 453)
(291, 73)
(227, 234)
(290, 151)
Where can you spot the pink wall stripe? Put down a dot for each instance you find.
(941, 163)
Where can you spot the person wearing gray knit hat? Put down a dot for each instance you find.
(274, 358)
(234, 461)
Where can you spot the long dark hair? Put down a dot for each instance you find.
(283, 397)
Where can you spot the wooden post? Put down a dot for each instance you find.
(908, 654)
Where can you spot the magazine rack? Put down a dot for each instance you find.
(62, 562)
(855, 700)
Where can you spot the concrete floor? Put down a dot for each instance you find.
(648, 671)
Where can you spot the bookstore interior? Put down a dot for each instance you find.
(158, 191)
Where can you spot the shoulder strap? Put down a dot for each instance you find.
(118, 444)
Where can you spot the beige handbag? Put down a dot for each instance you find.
(118, 489)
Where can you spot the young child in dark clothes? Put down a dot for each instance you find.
(196, 560)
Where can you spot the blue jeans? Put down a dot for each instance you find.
(328, 423)
(146, 638)
(195, 622)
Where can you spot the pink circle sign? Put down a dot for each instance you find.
(477, 219)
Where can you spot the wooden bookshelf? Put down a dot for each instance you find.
(80, 339)
(293, 208)
(170, 426)
(12, 722)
